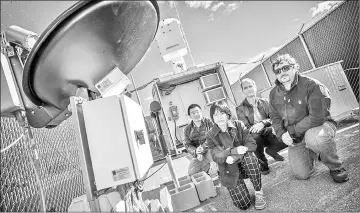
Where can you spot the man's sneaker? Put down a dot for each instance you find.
(339, 175)
(274, 155)
(264, 169)
(259, 200)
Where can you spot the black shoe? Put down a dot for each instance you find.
(274, 155)
(339, 176)
(264, 169)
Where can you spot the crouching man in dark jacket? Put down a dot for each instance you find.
(232, 147)
(195, 136)
(300, 114)
(254, 112)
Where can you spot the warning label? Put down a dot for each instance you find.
(120, 174)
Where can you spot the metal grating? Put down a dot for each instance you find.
(330, 37)
(214, 95)
(60, 171)
(295, 49)
(335, 38)
(210, 81)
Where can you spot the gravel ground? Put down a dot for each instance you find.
(282, 191)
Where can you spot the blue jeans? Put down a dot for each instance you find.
(317, 141)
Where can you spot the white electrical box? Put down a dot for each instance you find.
(210, 81)
(118, 142)
(214, 95)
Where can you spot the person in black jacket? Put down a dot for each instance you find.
(254, 112)
(300, 114)
(195, 133)
(232, 148)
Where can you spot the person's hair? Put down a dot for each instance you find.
(285, 58)
(192, 106)
(222, 107)
(246, 80)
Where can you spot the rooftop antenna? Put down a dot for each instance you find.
(172, 42)
(182, 29)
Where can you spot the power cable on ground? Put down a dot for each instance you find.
(154, 172)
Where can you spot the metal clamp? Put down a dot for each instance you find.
(6, 48)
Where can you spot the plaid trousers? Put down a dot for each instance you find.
(240, 194)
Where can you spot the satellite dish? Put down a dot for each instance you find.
(83, 45)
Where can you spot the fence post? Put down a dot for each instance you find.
(266, 75)
(307, 50)
(34, 160)
(172, 171)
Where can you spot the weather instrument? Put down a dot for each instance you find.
(77, 67)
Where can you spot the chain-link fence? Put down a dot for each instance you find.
(335, 38)
(353, 76)
(329, 38)
(60, 170)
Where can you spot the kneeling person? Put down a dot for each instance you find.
(300, 113)
(195, 133)
(232, 147)
(255, 113)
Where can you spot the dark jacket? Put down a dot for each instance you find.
(194, 136)
(304, 106)
(220, 143)
(245, 112)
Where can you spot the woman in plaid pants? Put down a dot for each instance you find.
(232, 147)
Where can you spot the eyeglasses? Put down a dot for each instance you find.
(283, 69)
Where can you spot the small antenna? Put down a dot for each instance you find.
(182, 29)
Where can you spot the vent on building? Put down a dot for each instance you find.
(214, 95)
(210, 81)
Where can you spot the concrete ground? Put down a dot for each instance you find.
(282, 191)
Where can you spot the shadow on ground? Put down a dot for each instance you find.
(285, 193)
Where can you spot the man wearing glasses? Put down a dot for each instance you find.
(300, 114)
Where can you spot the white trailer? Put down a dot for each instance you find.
(203, 86)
